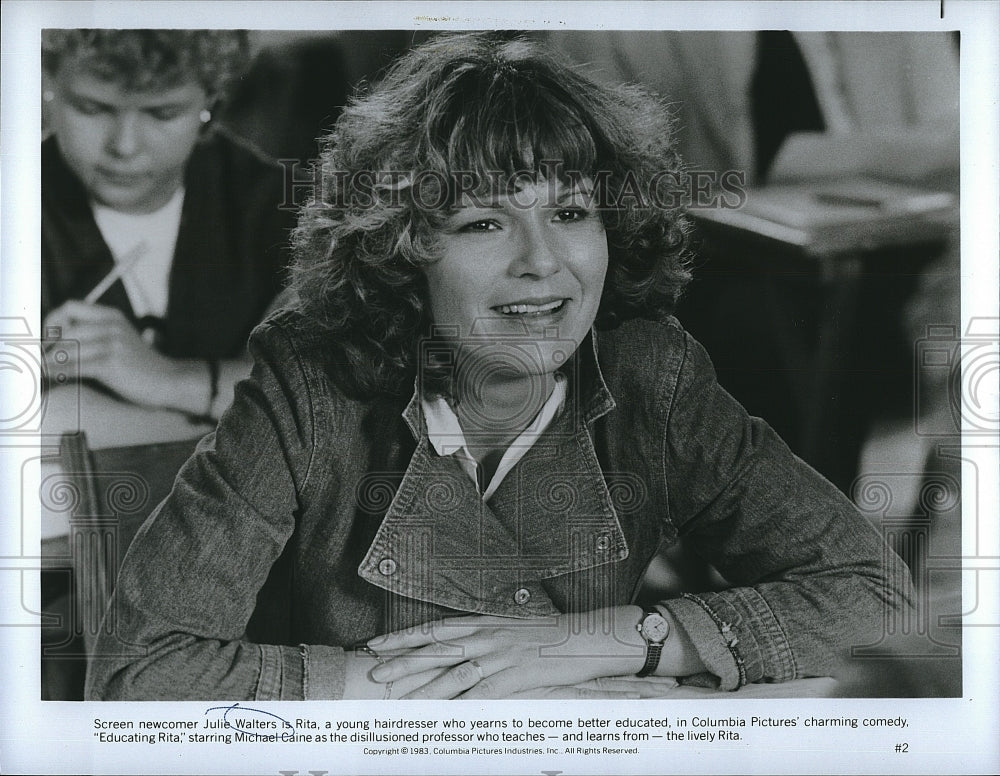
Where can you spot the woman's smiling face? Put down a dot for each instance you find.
(521, 273)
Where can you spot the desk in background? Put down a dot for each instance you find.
(71, 541)
(107, 422)
(799, 298)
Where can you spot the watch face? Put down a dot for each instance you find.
(655, 628)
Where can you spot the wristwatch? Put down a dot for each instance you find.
(654, 629)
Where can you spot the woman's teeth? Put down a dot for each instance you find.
(522, 309)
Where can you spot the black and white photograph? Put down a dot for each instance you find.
(627, 371)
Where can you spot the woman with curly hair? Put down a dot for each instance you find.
(141, 188)
(458, 454)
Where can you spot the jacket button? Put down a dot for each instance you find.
(522, 596)
(603, 543)
(387, 567)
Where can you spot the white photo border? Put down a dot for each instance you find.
(946, 736)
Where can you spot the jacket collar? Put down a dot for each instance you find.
(553, 515)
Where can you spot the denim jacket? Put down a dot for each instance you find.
(311, 520)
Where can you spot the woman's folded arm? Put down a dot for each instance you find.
(809, 576)
(189, 582)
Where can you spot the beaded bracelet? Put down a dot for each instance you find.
(381, 661)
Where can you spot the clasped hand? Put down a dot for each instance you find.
(578, 655)
(111, 351)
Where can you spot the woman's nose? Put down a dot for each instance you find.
(538, 253)
(124, 136)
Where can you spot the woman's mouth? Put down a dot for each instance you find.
(530, 309)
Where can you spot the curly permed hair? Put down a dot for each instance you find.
(150, 59)
(481, 103)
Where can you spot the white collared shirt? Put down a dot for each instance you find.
(447, 438)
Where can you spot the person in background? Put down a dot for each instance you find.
(163, 243)
(163, 239)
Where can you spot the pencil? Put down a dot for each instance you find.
(121, 267)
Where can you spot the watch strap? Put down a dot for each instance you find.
(653, 651)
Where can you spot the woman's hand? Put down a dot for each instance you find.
(360, 686)
(502, 657)
(113, 353)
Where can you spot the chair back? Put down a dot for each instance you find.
(115, 490)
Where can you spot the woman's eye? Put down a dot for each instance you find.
(483, 225)
(570, 214)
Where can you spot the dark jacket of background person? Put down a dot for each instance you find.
(228, 261)
(338, 511)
